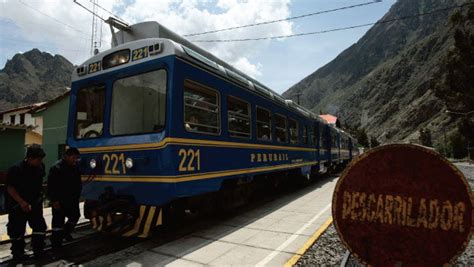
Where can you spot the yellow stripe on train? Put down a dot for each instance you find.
(193, 177)
(191, 142)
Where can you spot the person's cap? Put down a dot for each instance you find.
(35, 151)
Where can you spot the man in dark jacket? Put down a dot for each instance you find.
(64, 190)
(24, 186)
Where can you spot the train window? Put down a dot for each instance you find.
(315, 135)
(334, 140)
(238, 115)
(305, 134)
(139, 104)
(90, 112)
(280, 128)
(264, 124)
(293, 131)
(201, 109)
(325, 138)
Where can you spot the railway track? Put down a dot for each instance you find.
(90, 244)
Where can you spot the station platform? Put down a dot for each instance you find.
(47, 216)
(273, 234)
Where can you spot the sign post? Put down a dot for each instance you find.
(403, 205)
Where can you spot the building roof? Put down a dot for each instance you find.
(329, 118)
(45, 105)
(40, 105)
(27, 108)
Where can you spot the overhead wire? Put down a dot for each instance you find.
(53, 18)
(284, 19)
(331, 30)
(57, 20)
(90, 11)
(104, 9)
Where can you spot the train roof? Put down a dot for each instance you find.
(146, 33)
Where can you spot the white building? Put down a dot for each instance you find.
(21, 116)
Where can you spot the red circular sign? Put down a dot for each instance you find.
(403, 204)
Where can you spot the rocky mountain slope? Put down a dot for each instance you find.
(386, 81)
(33, 76)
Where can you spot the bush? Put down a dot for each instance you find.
(458, 145)
(425, 137)
(374, 142)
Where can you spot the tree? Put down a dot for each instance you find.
(362, 138)
(425, 137)
(374, 142)
(457, 82)
(466, 128)
(458, 144)
(454, 83)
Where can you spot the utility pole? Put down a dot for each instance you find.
(94, 28)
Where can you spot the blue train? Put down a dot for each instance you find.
(162, 124)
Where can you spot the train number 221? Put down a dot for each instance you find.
(111, 164)
(190, 160)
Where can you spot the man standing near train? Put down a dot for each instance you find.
(64, 190)
(25, 203)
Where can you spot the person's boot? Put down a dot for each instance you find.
(39, 254)
(68, 237)
(19, 257)
(37, 243)
(56, 252)
(18, 250)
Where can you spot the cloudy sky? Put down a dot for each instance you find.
(63, 27)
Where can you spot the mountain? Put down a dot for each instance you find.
(33, 76)
(387, 82)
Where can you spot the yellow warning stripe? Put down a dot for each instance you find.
(148, 221)
(308, 243)
(138, 222)
(159, 220)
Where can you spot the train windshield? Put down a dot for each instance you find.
(90, 112)
(138, 104)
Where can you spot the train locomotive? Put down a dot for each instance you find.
(162, 124)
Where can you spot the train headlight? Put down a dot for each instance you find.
(92, 163)
(129, 163)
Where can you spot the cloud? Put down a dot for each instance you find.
(244, 65)
(185, 17)
(65, 28)
(61, 27)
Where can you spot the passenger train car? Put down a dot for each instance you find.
(159, 121)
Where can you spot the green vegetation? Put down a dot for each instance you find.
(374, 142)
(455, 146)
(362, 137)
(457, 81)
(425, 137)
